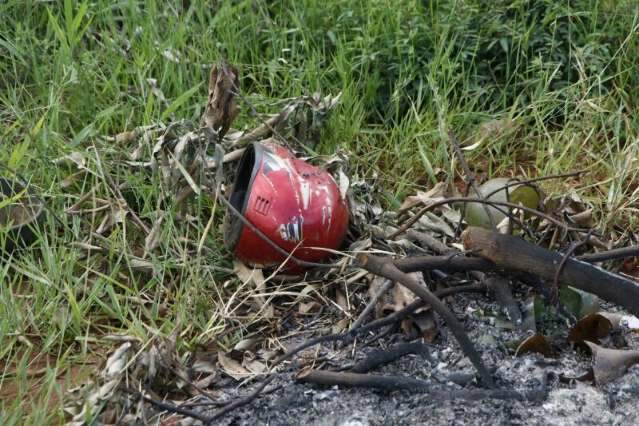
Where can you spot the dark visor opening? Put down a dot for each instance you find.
(242, 186)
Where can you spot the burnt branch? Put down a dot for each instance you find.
(514, 253)
(435, 393)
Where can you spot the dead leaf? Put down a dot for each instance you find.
(232, 367)
(141, 265)
(610, 364)
(436, 193)
(74, 158)
(152, 241)
(157, 92)
(126, 137)
(426, 323)
(116, 215)
(344, 183)
(306, 308)
(255, 276)
(340, 325)
(246, 344)
(403, 297)
(221, 108)
(342, 301)
(536, 343)
(255, 366)
(300, 119)
(594, 327)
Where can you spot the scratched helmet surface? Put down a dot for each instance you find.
(295, 204)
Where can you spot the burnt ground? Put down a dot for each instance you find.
(571, 403)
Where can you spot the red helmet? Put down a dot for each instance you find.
(297, 205)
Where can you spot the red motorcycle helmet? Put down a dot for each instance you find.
(296, 205)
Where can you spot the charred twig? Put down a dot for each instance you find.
(619, 253)
(514, 253)
(344, 337)
(385, 268)
(240, 402)
(433, 205)
(379, 357)
(171, 408)
(392, 383)
(413, 306)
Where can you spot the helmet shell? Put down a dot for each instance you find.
(295, 204)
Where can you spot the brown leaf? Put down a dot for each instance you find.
(610, 364)
(426, 324)
(536, 343)
(402, 296)
(594, 327)
(221, 108)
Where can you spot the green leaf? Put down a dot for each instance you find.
(18, 154)
(426, 162)
(180, 101)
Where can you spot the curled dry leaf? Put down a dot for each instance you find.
(247, 344)
(221, 108)
(426, 324)
(75, 158)
(116, 215)
(126, 137)
(256, 277)
(152, 241)
(436, 193)
(536, 343)
(610, 364)
(232, 367)
(594, 327)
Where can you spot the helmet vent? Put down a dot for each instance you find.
(262, 205)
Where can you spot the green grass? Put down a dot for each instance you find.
(562, 78)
